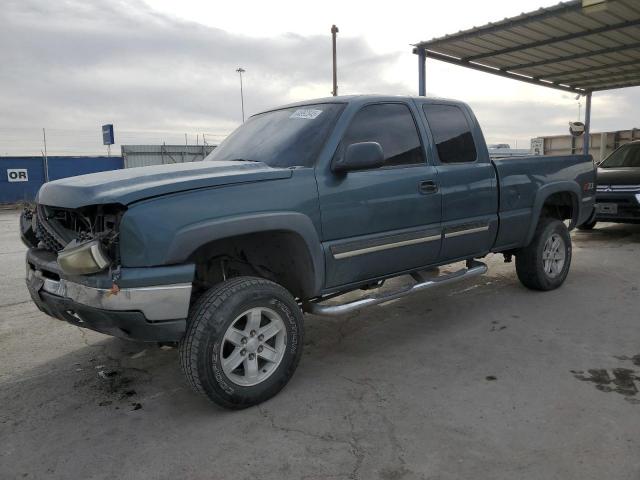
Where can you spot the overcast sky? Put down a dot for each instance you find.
(158, 69)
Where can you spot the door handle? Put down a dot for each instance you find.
(428, 186)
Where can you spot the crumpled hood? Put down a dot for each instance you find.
(132, 184)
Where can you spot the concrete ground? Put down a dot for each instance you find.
(481, 380)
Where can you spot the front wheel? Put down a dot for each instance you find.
(243, 342)
(544, 263)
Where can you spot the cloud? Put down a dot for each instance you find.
(72, 65)
(77, 64)
(510, 120)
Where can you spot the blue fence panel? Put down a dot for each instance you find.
(21, 177)
(19, 189)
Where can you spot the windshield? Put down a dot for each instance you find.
(281, 138)
(626, 156)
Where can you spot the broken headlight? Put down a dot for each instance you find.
(82, 258)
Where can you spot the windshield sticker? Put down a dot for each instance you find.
(306, 113)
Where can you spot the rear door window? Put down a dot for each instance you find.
(451, 133)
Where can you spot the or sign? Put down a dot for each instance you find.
(17, 175)
(107, 134)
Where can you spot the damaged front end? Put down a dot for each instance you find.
(84, 240)
(74, 273)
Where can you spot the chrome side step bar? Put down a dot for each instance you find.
(473, 269)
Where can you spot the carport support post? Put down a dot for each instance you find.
(587, 125)
(422, 61)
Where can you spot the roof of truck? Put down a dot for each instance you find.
(363, 98)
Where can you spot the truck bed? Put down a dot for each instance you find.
(524, 182)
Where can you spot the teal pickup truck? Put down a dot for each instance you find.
(298, 206)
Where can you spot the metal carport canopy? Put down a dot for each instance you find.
(579, 46)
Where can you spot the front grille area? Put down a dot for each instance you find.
(618, 188)
(43, 233)
(55, 227)
(51, 230)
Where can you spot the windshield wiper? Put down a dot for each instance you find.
(244, 160)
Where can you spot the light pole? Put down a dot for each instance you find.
(240, 71)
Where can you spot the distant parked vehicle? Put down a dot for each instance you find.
(504, 150)
(618, 189)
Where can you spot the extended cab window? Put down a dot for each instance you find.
(451, 133)
(392, 126)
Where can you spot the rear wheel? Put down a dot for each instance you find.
(243, 342)
(544, 263)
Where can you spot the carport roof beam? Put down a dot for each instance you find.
(553, 46)
(502, 73)
(551, 41)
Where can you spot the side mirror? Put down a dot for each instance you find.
(360, 156)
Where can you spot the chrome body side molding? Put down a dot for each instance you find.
(465, 231)
(385, 246)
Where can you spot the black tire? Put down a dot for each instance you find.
(588, 225)
(201, 350)
(529, 260)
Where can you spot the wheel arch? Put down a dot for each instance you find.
(559, 200)
(263, 238)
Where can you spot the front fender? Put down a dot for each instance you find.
(188, 239)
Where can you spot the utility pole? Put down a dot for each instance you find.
(579, 110)
(46, 158)
(240, 71)
(334, 30)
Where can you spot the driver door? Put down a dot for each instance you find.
(385, 220)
